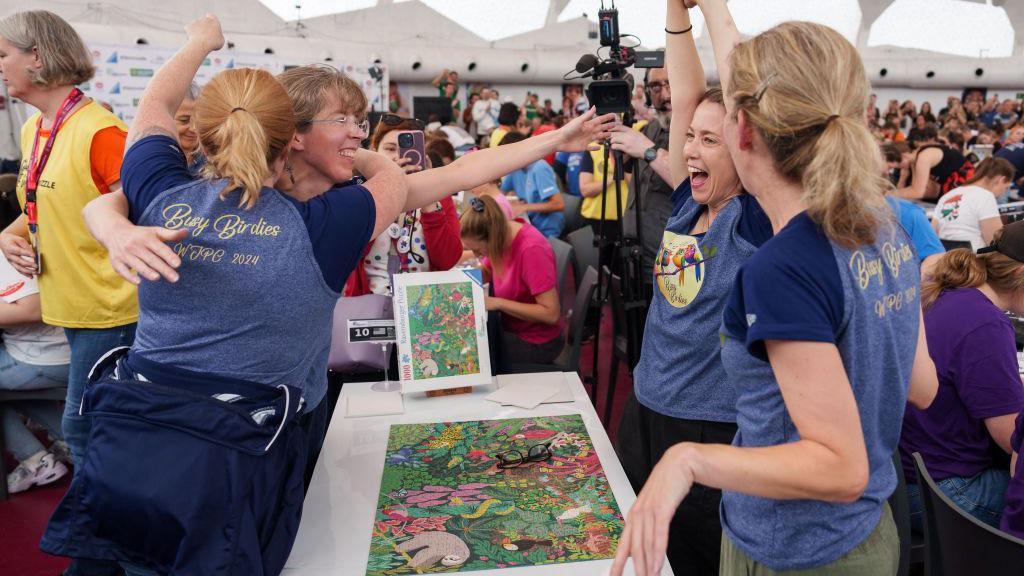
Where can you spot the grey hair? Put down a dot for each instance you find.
(66, 60)
(194, 90)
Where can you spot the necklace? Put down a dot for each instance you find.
(706, 216)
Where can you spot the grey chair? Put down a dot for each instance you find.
(584, 252)
(563, 256)
(956, 543)
(569, 360)
(56, 394)
(911, 543)
(571, 213)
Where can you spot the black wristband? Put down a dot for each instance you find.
(667, 31)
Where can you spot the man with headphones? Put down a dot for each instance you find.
(651, 174)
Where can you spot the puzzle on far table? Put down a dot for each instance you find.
(446, 506)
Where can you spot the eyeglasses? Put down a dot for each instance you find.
(396, 120)
(515, 458)
(363, 126)
(656, 87)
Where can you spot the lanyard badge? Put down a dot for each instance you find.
(36, 165)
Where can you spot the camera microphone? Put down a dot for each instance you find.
(586, 63)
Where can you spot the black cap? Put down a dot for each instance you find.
(1010, 242)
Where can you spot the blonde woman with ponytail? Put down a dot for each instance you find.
(822, 335)
(520, 265)
(980, 393)
(229, 365)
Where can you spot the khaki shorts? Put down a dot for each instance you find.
(877, 555)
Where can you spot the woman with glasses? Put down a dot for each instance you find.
(232, 348)
(420, 240)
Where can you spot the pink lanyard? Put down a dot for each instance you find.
(36, 165)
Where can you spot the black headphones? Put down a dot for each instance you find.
(647, 91)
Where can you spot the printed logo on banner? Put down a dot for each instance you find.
(230, 65)
(112, 59)
(135, 58)
(115, 72)
(115, 90)
(143, 72)
(206, 62)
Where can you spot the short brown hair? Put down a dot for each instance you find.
(66, 61)
(308, 87)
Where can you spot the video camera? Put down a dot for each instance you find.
(612, 89)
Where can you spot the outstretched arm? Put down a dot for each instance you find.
(163, 95)
(489, 164)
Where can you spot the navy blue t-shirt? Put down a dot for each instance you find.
(865, 300)
(155, 164)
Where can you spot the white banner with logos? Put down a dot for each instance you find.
(123, 71)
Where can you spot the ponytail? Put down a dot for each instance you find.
(962, 268)
(241, 157)
(803, 87)
(485, 221)
(843, 186)
(959, 268)
(245, 121)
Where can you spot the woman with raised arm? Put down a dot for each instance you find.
(198, 448)
(822, 331)
(329, 109)
(680, 392)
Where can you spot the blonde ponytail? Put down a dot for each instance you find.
(843, 190)
(803, 87)
(245, 121)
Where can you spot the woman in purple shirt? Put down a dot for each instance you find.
(1013, 512)
(980, 392)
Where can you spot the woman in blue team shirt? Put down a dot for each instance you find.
(823, 332)
(680, 391)
(245, 252)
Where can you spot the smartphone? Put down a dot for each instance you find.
(411, 146)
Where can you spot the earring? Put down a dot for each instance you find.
(291, 172)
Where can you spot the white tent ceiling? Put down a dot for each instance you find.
(908, 38)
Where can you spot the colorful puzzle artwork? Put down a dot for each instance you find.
(442, 326)
(446, 506)
(441, 330)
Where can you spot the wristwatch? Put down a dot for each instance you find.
(651, 154)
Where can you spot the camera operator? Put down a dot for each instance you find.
(652, 175)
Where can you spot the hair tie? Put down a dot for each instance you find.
(831, 118)
(233, 110)
(476, 204)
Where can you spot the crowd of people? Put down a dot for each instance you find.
(805, 323)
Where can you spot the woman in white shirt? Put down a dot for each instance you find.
(970, 213)
(33, 356)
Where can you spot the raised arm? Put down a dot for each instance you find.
(440, 76)
(686, 76)
(386, 182)
(163, 95)
(724, 36)
(489, 164)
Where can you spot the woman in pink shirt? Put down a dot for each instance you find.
(520, 265)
